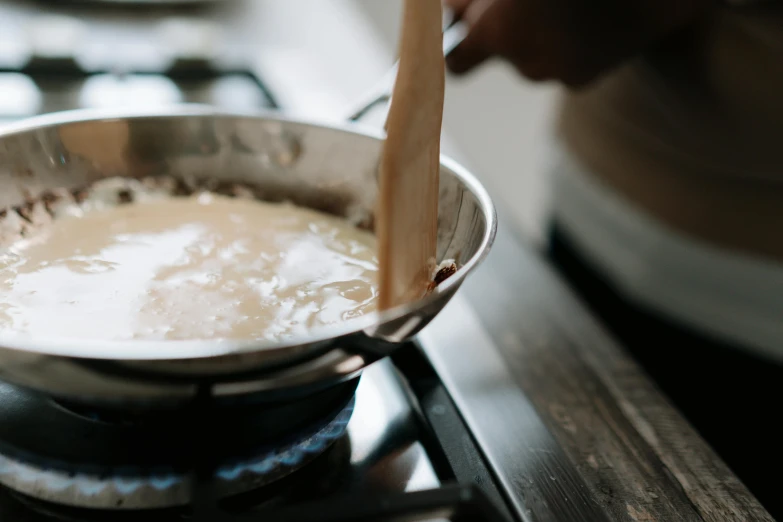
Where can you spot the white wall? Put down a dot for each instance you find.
(498, 123)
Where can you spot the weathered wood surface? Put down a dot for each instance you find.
(626, 453)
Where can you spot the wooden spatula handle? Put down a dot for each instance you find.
(407, 212)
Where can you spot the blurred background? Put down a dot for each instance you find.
(311, 58)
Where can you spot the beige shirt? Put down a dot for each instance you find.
(689, 139)
(694, 133)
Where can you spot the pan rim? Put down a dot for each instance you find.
(179, 350)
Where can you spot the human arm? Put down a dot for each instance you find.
(571, 41)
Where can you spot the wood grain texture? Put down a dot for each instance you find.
(638, 459)
(407, 213)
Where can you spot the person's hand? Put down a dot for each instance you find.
(572, 41)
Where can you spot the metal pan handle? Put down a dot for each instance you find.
(454, 32)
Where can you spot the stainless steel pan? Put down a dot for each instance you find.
(331, 167)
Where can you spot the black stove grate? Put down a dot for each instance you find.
(35, 84)
(287, 500)
(454, 502)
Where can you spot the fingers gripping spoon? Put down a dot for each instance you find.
(407, 213)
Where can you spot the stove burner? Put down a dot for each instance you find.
(137, 492)
(223, 436)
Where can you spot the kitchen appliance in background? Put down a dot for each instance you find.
(68, 55)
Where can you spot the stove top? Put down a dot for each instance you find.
(393, 460)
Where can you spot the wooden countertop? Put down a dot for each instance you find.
(575, 428)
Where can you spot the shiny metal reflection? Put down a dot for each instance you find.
(331, 168)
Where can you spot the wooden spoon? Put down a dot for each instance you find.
(407, 213)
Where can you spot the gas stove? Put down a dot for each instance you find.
(390, 445)
(382, 450)
(69, 55)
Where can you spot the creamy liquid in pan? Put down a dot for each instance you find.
(206, 267)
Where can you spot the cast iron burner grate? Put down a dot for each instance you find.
(457, 503)
(454, 503)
